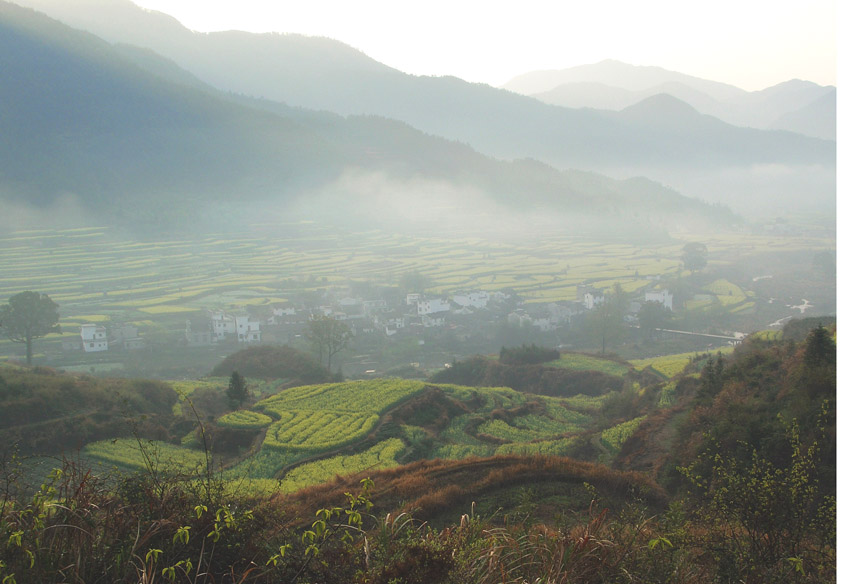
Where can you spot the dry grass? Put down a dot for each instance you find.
(431, 487)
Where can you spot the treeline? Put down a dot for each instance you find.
(479, 371)
(42, 410)
(749, 402)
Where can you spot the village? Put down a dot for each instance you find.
(461, 323)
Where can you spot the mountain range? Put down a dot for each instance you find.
(275, 87)
(128, 136)
(798, 106)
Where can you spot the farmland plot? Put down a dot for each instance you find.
(321, 417)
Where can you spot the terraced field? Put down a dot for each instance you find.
(580, 362)
(669, 366)
(96, 275)
(313, 433)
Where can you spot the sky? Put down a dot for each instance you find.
(752, 44)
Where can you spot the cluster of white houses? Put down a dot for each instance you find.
(220, 326)
(415, 313)
(95, 338)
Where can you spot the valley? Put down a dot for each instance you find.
(280, 312)
(101, 278)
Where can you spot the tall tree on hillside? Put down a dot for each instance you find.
(328, 336)
(607, 318)
(652, 316)
(29, 315)
(694, 256)
(819, 358)
(237, 390)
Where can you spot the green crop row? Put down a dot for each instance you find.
(501, 430)
(665, 396)
(560, 447)
(580, 362)
(614, 437)
(244, 420)
(317, 430)
(667, 366)
(585, 403)
(375, 396)
(382, 455)
(133, 454)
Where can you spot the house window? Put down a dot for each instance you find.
(91, 345)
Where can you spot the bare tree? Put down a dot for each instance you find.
(607, 318)
(328, 336)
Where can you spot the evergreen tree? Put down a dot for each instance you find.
(237, 390)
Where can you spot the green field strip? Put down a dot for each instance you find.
(580, 362)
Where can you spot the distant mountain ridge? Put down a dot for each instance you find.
(618, 74)
(130, 136)
(615, 85)
(321, 74)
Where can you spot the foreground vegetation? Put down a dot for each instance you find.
(724, 472)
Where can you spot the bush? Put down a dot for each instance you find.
(274, 362)
(527, 355)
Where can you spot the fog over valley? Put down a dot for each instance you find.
(278, 311)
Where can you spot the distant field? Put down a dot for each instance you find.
(580, 362)
(671, 365)
(97, 276)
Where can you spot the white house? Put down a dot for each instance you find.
(127, 337)
(199, 332)
(663, 297)
(223, 324)
(247, 330)
(94, 338)
(374, 306)
(429, 321)
(519, 318)
(393, 325)
(544, 324)
(476, 299)
(424, 307)
(593, 298)
(413, 298)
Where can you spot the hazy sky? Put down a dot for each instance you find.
(749, 43)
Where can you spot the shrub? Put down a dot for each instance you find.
(274, 362)
(527, 355)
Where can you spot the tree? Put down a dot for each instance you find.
(29, 315)
(415, 282)
(819, 359)
(237, 389)
(820, 348)
(652, 316)
(328, 336)
(694, 256)
(607, 318)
